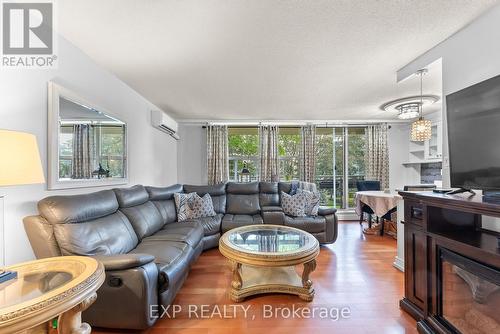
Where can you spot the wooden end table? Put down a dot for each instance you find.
(54, 288)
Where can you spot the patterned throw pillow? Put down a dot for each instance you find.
(182, 205)
(200, 207)
(294, 205)
(313, 199)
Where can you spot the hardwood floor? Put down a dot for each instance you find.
(355, 272)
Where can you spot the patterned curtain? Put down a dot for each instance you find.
(83, 151)
(377, 154)
(268, 142)
(308, 153)
(217, 154)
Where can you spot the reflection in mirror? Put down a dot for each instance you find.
(92, 144)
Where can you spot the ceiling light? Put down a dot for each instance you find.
(395, 105)
(421, 129)
(408, 110)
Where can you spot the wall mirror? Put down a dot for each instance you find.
(87, 144)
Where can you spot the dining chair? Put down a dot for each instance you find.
(367, 186)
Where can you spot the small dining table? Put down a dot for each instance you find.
(381, 202)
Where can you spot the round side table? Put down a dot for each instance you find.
(54, 288)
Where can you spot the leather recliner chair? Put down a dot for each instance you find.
(146, 253)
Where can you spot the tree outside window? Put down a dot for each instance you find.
(243, 145)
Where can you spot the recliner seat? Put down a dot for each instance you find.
(146, 252)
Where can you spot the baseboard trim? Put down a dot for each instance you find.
(399, 264)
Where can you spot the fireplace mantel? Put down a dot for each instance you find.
(437, 224)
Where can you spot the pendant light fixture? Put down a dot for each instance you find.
(421, 129)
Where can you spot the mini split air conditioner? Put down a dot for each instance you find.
(164, 123)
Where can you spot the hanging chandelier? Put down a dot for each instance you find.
(421, 129)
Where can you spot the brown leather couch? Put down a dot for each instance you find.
(146, 253)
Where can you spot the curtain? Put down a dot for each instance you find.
(308, 153)
(83, 151)
(217, 154)
(377, 154)
(268, 143)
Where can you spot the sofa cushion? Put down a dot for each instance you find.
(167, 210)
(269, 195)
(145, 218)
(232, 221)
(308, 224)
(217, 192)
(163, 193)
(243, 204)
(242, 188)
(142, 214)
(189, 233)
(294, 205)
(172, 258)
(243, 198)
(312, 201)
(201, 207)
(163, 199)
(211, 225)
(133, 196)
(285, 187)
(78, 208)
(112, 234)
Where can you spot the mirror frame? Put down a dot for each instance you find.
(55, 92)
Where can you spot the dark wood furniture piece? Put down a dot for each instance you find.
(452, 264)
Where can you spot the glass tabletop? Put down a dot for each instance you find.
(31, 285)
(268, 239)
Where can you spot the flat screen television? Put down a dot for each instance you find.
(473, 116)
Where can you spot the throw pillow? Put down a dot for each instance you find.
(294, 205)
(313, 199)
(200, 207)
(182, 205)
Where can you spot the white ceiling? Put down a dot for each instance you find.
(265, 59)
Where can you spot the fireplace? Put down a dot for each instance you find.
(470, 295)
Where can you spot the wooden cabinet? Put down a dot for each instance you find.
(415, 265)
(437, 225)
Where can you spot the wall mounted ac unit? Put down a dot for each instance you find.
(164, 123)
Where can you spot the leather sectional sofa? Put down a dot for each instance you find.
(146, 253)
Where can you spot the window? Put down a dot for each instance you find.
(243, 145)
(289, 153)
(339, 164)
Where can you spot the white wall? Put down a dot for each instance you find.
(23, 107)
(398, 139)
(192, 154)
(470, 56)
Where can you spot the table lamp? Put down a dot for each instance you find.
(19, 164)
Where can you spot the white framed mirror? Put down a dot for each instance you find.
(87, 144)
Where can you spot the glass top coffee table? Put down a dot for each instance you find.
(263, 260)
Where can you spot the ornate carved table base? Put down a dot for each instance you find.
(252, 280)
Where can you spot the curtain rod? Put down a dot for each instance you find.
(318, 125)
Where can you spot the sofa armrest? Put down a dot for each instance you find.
(325, 211)
(124, 261)
(272, 209)
(127, 296)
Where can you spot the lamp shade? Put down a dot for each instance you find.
(19, 159)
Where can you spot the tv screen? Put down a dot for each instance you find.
(474, 136)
